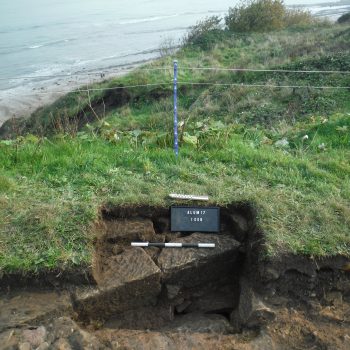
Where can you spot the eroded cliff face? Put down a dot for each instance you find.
(227, 297)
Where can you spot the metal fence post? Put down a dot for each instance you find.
(176, 143)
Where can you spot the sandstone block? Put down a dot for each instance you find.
(191, 267)
(132, 280)
(123, 230)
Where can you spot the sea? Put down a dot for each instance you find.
(42, 40)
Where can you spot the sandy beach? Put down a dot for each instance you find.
(24, 100)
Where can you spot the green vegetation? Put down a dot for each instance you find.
(345, 18)
(264, 16)
(284, 150)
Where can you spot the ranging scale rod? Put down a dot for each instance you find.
(188, 196)
(176, 141)
(173, 245)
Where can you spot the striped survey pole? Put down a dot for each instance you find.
(176, 143)
(173, 245)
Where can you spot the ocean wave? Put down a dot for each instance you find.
(147, 19)
(49, 43)
(166, 30)
(325, 10)
(35, 46)
(14, 49)
(160, 18)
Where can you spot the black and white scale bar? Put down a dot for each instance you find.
(193, 197)
(173, 245)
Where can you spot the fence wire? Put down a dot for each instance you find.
(165, 68)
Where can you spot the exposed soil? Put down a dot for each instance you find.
(227, 298)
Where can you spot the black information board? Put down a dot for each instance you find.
(195, 219)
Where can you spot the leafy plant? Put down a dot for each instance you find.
(207, 132)
(205, 33)
(264, 16)
(256, 16)
(345, 18)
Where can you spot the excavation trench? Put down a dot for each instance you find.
(163, 288)
(146, 298)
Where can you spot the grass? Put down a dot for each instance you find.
(52, 185)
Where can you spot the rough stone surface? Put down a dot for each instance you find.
(117, 249)
(122, 230)
(251, 311)
(172, 290)
(24, 346)
(66, 334)
(192, 267)
(263, 342)
(183, 306)
(43, 346)
(133, 280)
(131, 265)
(200, 323)
(271, 274)
(62, 333)
(215, 301)
(153, 252)
(116, 238)
(61, 344)
(143, 318)
(335, 298)
(171, 340)
(35, 337)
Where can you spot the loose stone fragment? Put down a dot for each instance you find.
(34, 337)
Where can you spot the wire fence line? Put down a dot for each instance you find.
(86, 89)
(165, 68)
(77, 89)
(256, 70)
(265, 85)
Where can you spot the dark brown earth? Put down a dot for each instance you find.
(229, 297)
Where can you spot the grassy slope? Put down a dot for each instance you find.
(51, 189)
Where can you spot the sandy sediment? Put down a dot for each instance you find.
(24, 100)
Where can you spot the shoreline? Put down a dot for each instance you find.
(28, 99)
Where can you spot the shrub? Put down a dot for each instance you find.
(205, 33)
(297, 17)
(264, 16)
(345, 18)
(256, 16)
